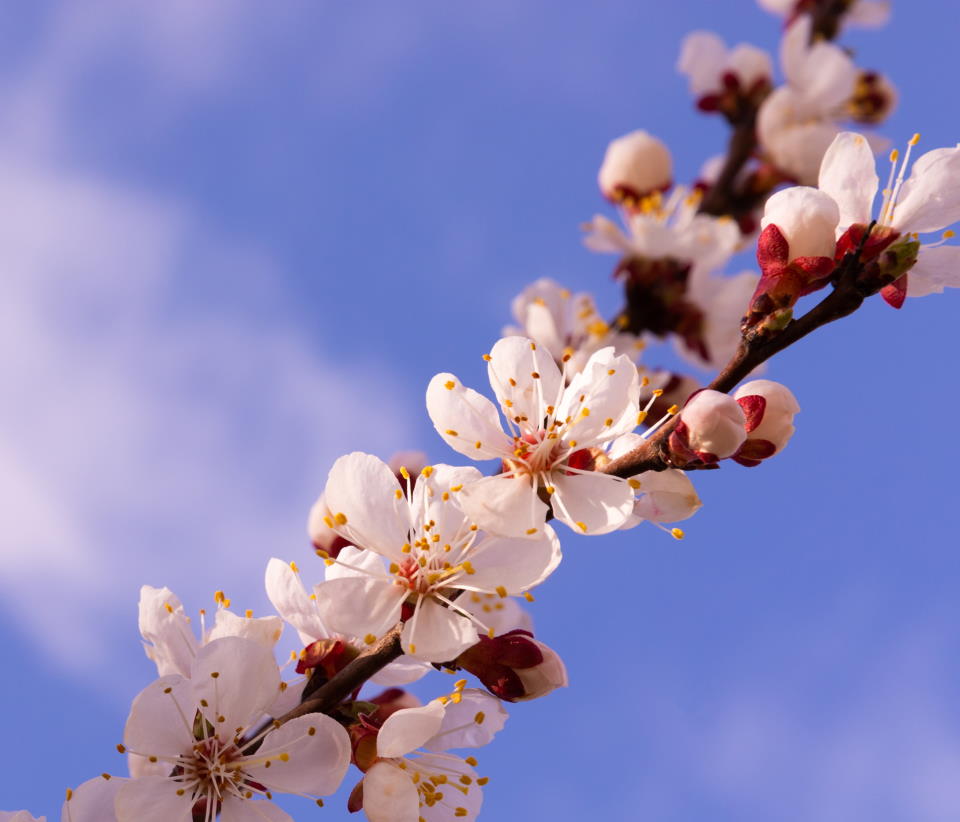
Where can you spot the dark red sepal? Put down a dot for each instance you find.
(355, 802)
(752, 452)
(879, 240)
(896, 293)
(753, 408)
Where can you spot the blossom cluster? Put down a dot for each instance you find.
(424, 567)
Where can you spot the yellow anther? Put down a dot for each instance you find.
(284, 757)
(473, 527)
(460, 684)
(422, 560)
(460, 811)
(319, 803)
(573, 443)
(531, 531)
(585, 412)
(673, 409)
(394, 568)
(582, 526)
(329, 562)
(341, 518)
(471, 761)
(404, 472)
(501, 591)
(480, 716)
(550, 489)
(535, 375)
(445, 496)
(490, 632)
(894, 156)
(633, 483)
(294, 568)
(219, 597)
(413, 648)
(508, 403)
(645, 381)
(533, 346)
(477, 444)
(641, 417)
(676, 533)
(370, 639)
(435, 537)
(69, 794)
(487, 357)
(611, 372)
(915, 139)
(608, 421)
(528, 596)
(398, 493)
(426, 471)
(949, 233)
(512, 381)
(467, 567)
(658, 392)
(483, 780)
(321, 553)
(169, 607)
(121, 749)
(452, 433)
(405, 548)
(449, 385)
(455, 488)
(456, 697)
(248, 613)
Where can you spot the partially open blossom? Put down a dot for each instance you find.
(807, 219)
(634, 166)
(711, 427)
(557, 434)
(769, 408)
(413, 777)
(797, 122)
(168, 637)
(514, 666)
(420, 553)
(197, 729)
(874, 98)
(724, 79)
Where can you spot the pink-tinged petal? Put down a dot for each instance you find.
(793, 51)
(524, 378)
(464, 802)
(357, 606)
(666, 496)
(868, 13)
(317, 752)
(544, 326)
(389, 794)
(592, 503)
(470, 723)
(367, 503)
(436, 633)
(930, 197)
(605, 236)
(262, 630)
(702, 58)
(504, 505)
(165, 626)
(935, 269)
(236, 809)
(238, 679)
(408, 729)
(848, 174)
(471, 417)
(155, 726)
(601, 401)
(152, 799)
(93, 801)
(287, 594)
(512, 565)
(356, 562)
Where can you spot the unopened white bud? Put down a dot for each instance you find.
(635, 165)
(807, 219)
(543, 678)
(775, 424)
(715, 424)
(665, 496)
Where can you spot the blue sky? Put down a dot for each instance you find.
(238, 244)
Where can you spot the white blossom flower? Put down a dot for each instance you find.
(867, 13)
(713, 69)
(569, 325)
(769, 408)
(926, 201)
(434, 550)
(634, 166)
(196, 727)
(298, 608)
(712, 425)
(557, 434)
(405, 783)
(168, 636)
(798, 121)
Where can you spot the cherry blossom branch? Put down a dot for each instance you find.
(846, 297)
(722, 197)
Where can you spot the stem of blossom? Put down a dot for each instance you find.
(351, 677)
(722, 198)
(827, 17)
(845, 298)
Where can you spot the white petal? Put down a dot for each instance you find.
(263, 630)
(93, 801)
(605, 236)
(506, 505)
(750, 64)
(930, 197)
(450, 522)
(474, 419)
(807, 218)
(516, 564)
(408, 729)
(356, 562)
(935, 269)
(848, 174)
(318, 750)
(155, 726)
(512, 364)
(401, 671)
(467, 802)
(592, 503)
(495, 612)
(357, 606)
(252, 810)
(666, 496)
(868, 13)
(436, 633)
(602, 400)
(362, 490)
(285, 590)
(165, 626)
(389, 794)
(470, 723)
(238, 679)
(702, 58)
(152, 799)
